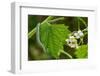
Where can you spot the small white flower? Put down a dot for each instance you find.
(71, 37)
(72, 42)
(72, 45)
(76, 35)
(80, 33)
(68, 41)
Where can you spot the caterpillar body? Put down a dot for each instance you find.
(38, 36)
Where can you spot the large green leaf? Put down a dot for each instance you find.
(53, 37)
(82, 51)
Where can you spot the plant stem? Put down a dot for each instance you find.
(85, 29)
(33, 31)
(82, 21)
(55, 20)
(47, 19)
(80, 42)
(67, 54)
(85, 33)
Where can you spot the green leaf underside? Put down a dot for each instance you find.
(82, 51)
(53, 37)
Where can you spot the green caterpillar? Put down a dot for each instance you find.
(38, 37)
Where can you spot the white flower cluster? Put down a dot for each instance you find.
(72, 40)
(78, 34)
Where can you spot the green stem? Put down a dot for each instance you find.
(82, 21)
(33, 31)
(47, 19)
(85, 29)
(55, 20)
(85, 33)
(67, 54)
(80, 42)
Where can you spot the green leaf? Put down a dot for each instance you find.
(82, 51)
(53, 37)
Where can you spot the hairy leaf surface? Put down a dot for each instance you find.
(53, 37)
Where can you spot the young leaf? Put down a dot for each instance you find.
(53, 37)
(82, 51)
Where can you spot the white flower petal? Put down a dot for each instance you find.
(81, 34)
(78, 37)
(75, 34)
(73, 46)
(79, 31)
(71, 37)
